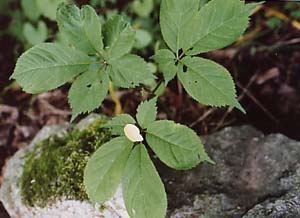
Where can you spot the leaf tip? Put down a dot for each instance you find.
(209, 160)
(240, 107)
(74, 116)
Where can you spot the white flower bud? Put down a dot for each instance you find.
(132, 132)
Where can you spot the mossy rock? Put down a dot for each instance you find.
(45, 178)
(54, 169)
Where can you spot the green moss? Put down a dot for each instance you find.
(54, 169)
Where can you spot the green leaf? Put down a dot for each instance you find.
(47, 66)
(35, 35)
(82, 28)
(143, 190)
(143, 8)
(203, 2)
(88, 91)
(105, 169)
(118, 37)
(179, 23)
(176, 145)
(142, 39)
(15, 27)
(220, 25)
(4, 5)
(274, 22)
(118, 123)
(250, 7)
(166, 62)
(30, 9)
(146, 113)
(129, 71)
(48, 7)
(208, 82)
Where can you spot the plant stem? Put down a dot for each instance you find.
(157, 86)
(181, 55)
(116, 100)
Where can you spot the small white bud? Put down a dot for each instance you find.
(132, 132)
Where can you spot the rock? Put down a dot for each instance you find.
(287, 206)
(255, 176)
(278, 209)
(10, 192)
(207, 206)
(250, 168)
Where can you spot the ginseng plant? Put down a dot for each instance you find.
(96, 56)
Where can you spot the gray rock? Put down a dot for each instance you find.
(279, 209)
(250, 168)
(207, 206)
(10, 192)
(286, 206)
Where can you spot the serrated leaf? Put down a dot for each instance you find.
(129, 71)
(220, 25)
(179, 23)
(166, 62)
(35, 35)
(30, 9)
(47, 66)
(251, 6)
(48, 7)
(146, 112)
(118, 123)
(143, 190)
(88, 91)
(176, 145)
(208, 82)
(105, 169)
(118, 37)
(81, 27)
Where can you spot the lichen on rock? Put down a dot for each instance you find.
(55, 167)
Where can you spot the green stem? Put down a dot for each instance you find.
(157, 86)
